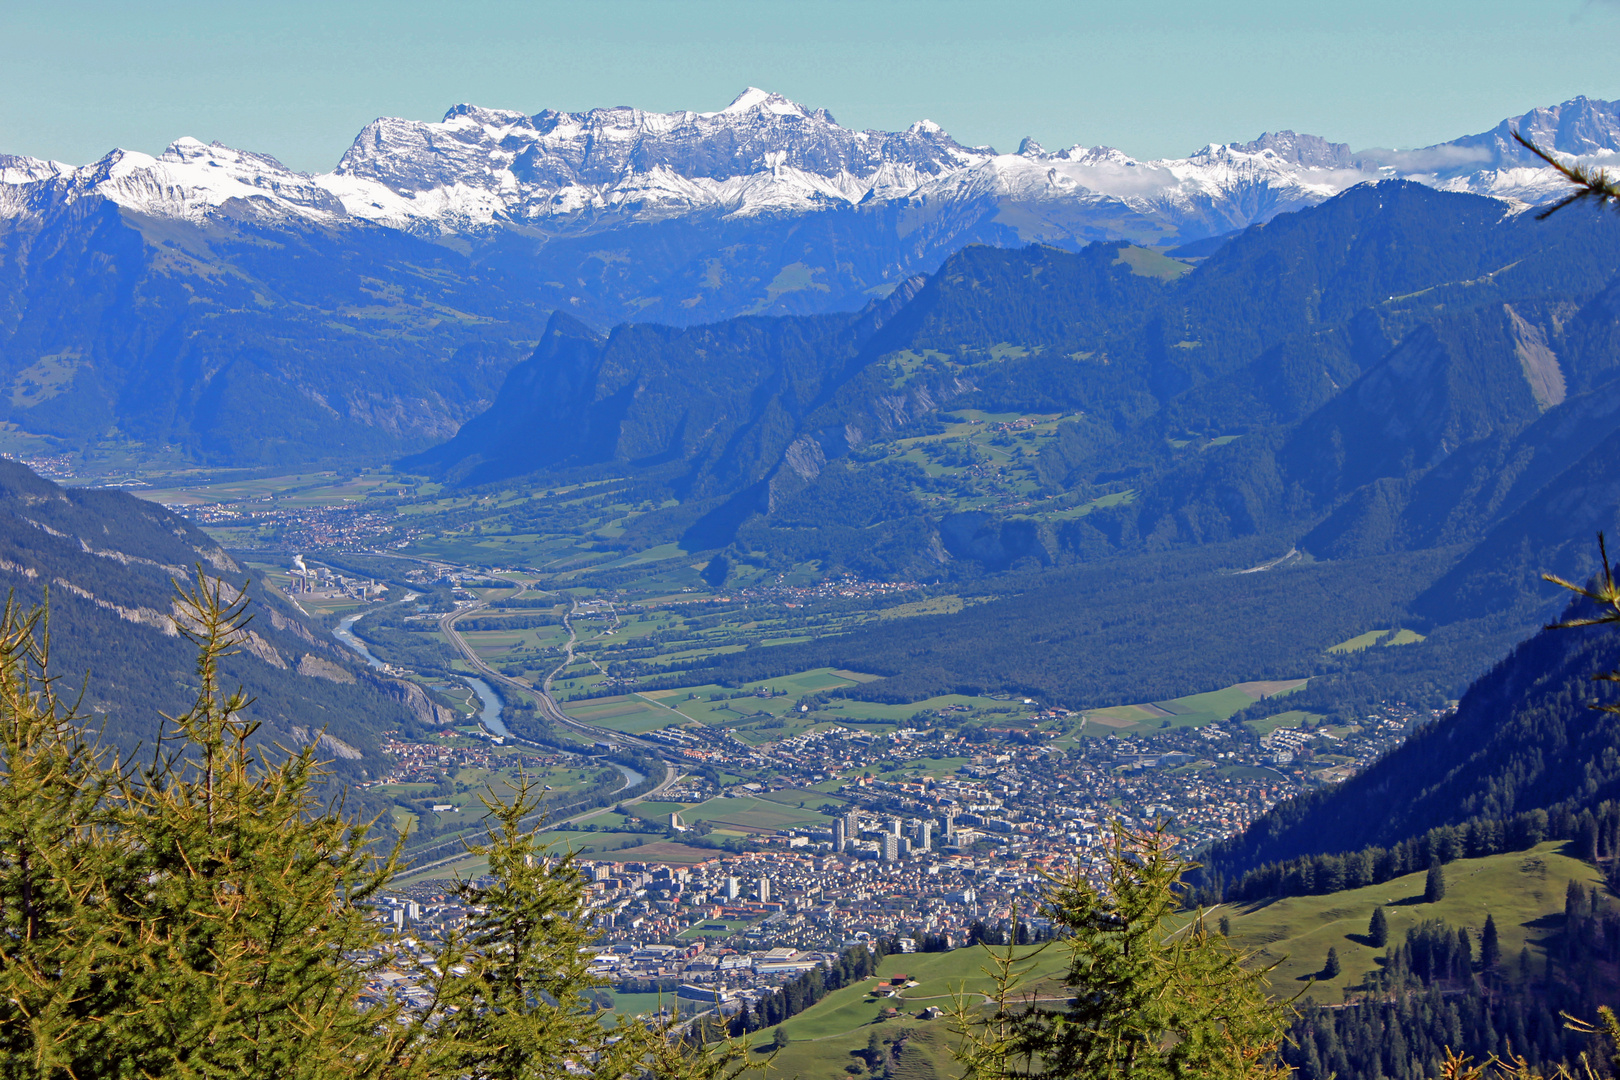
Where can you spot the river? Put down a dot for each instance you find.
(490, 717)
(346, 635)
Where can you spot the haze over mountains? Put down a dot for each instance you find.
(213, 300)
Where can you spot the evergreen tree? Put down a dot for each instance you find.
(50, 804)
(203, 916)
(1331, 969)
(1434, 885)
(1490, 949)
(1154, 994)
(200, 914)
(1378, 928)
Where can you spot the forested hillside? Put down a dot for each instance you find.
(1307, 375)
(107, 562)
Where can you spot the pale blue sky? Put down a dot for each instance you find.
(298, 79)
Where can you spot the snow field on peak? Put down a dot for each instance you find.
(479, 169)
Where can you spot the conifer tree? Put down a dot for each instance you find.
(1155, 993)
(51, 808)
(1378, 928)
(1331, 968)
(1490, 948)
(208, 910)
(1434, 883)
(202, 915)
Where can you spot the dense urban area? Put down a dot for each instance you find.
(934, 861)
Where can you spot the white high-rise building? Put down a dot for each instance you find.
(922, 837)
(840, 835)
(764, 890)
(891, 847)
(733, 888)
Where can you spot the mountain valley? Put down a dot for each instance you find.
(841, 528)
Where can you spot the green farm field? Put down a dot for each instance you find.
(1357, 643)
(809, 797)
(1291, 718)
(629, 714)
(751, 814)
(1193, 710)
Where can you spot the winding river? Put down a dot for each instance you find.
(490, 716)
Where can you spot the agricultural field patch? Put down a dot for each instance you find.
(810, 797)
(935, 605)
(628, 714)
(1192, 710)
(663, 851)
(657, 811)
(1126, 716)
(1357, 643)
(1291, 718)
(1405, 637)
(757, 814)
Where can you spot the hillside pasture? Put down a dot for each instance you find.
(1357, 643)
(830, 1034)
(1523, 890)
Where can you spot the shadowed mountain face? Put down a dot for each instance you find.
(109, 561)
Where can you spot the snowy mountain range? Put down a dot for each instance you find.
(480, 170)
(212, 300)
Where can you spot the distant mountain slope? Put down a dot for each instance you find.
(1358, 352)
(213, 300)
(108, 562)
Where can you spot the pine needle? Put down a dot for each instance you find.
(1591, 184)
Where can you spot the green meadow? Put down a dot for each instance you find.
(1193, 710)
(831, 1034)
(1520, 889)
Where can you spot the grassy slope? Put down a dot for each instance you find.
(826, 1037)
(1523, 890)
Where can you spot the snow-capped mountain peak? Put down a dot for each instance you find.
(1311, 151)
(480, 170)
(754, 98)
